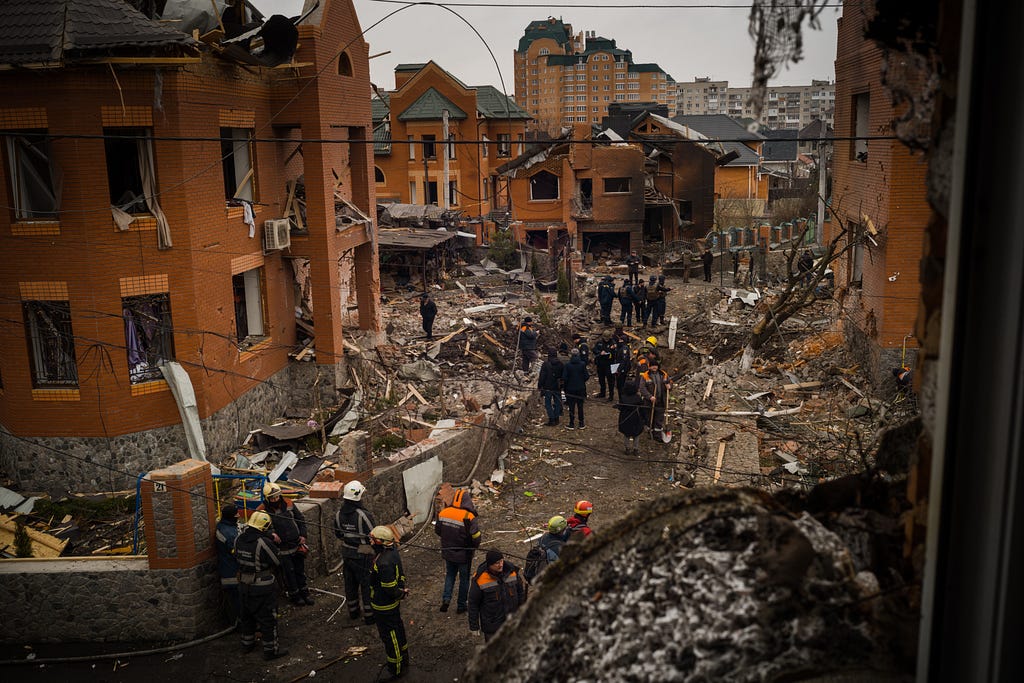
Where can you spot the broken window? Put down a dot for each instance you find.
(378, 175)
(484, 145)
(614, 185)
(429, 152)
(34, 195)
(344, 64)
(504, 144)
(431, 192)
(249, 319)
(453, 193)
(861, 116)
(126, 152)
(685, 210)
(543, 185)
(236, 158)
(51, 343)
(148, 335)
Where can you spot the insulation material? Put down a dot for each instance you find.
(420, 483)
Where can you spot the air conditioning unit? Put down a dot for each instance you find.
(277, 234)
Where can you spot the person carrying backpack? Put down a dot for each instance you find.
(548, 548)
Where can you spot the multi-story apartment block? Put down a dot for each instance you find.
(562, 79)
(786, 107)
(420, 158)
(149, 278)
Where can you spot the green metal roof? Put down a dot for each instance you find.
(546, 28)
(429, 107)
(490, 103)
(410, 67)
(380, 107)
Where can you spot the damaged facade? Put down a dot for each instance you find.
(170, 287)
(879, 192)
(437, 141)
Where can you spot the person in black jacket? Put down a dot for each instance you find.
(659, 314)
(603, 362)
(574, 379)
(581, 344)
(625, 295)
(428, 311)
(549, 383)
(257, 557)
(387, 590)
(706, 260)
(605, 297)
(528, 343)
(631, 421)
(290, 532)
(640, 302)
(227, 565)
(633, 267)
(622, 362)
(497, 592)
(353, 525)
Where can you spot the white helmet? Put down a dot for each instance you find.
(353, 491)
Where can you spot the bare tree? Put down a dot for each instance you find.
(800, 287)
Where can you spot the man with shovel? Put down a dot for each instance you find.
(654, 386)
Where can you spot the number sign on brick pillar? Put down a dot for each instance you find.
(179, 515)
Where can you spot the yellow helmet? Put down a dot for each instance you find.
(382, 535)
(270, 489)
(653, 341)
(259, 520)
(557, 524)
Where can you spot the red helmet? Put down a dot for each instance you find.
(583, 507)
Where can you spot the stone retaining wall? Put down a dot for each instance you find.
(88, 464)
(93, 599)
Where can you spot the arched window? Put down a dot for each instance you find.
(344, 65)
(543, 185)
(378, 175)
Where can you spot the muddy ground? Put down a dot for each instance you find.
(547, 469)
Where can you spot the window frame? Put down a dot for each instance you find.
(618, 182)
(252, 285)
(231, 163)
(43, 349)
(18, 143)
(557, 186)
(158, 347)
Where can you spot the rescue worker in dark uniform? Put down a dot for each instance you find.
(290, 528)
(625, 295)
(528, 343)
(227, 565)
(460, 536)
(353, 525)
(387, 590)
(605, 297)
(654, 386)
(428, 311)
(640, 302)
(497, 592)
(653, 294)
(603, 362)
(659, 314)
(257, 557)
(633, 267)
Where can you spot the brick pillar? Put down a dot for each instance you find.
(179, 515)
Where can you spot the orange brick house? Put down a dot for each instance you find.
(141, 173)
(591, 191)
(740, 179)
(879, 190)
(415, 148)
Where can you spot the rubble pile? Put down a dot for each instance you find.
(706, 585)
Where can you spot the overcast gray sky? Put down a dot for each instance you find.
(686, 43)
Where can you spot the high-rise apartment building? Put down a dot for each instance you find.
(563, 79)
(785, 106)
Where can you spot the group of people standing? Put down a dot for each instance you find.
(644, 301)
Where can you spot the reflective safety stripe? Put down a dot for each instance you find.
(384, 608)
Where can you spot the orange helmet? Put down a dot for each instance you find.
(583, 507)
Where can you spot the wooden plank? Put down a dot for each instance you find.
(707, 390)
(419, 397)
(801, 385)
(305, 327)
(718, 465)
(504, 325)
(306, 350)
(448, 338)
(630, 334)
(852, 388)
(493, 340)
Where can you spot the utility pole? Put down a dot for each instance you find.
(447, 153)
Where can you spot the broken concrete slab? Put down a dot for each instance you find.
(421, 370)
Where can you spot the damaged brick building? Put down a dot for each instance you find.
(149, 176)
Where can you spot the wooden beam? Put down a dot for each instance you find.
(418, 396)
(718, 464)
(148, 61)
(707, 390)
(801, 385)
